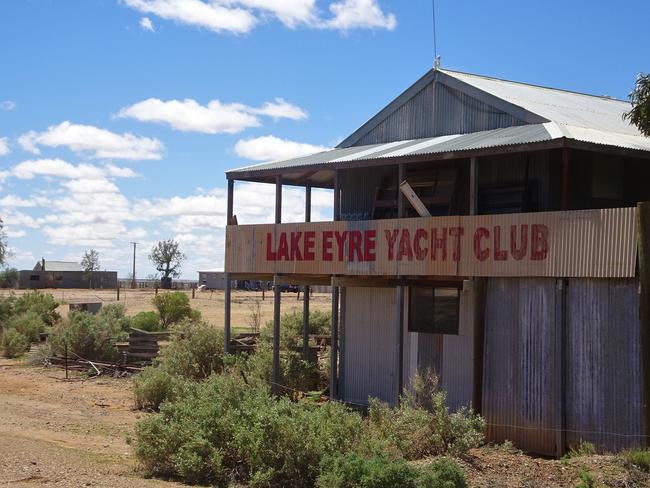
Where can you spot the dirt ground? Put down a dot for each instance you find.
(209, 303)
(73, 434)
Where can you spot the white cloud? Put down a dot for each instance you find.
(55, 168)
(12, 201)
(188, 115)
(214, 118)
(269, 148)
(355, 14)
(94, 186)
(120, 172)
(4, 146)
(241, 16)
(98, 143)
(146, 24)
(16, 233)
(7, 105)
(214, 15)
(281, 109)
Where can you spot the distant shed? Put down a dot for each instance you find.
(213, 279)
(65, 274)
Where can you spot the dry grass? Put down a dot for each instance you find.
(209, 303)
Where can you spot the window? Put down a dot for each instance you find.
(34, 277)
(433, 310)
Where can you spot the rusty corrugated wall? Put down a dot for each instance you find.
(370, 350)
(521, 398)
(604, 382)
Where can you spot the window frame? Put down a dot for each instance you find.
(411, 327)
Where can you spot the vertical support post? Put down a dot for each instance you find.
(334, 377)
(566, 178)
(118, 292)
(399, 338)
(133, 273)
(560, 364)
(643, 240)
(473, 186)
(341, 375)
(228, 289)
(305, 298)
(277, 296)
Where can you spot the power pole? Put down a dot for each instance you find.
(133, 275)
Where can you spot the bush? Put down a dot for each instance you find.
(41, 303)
(7, 309)
(153, 386)
(14, 343)
(174, 307)
(9, 278)
(114, 316)
(639, 458)
(91, 337)
(30, 324)
(291, 328)
(422, 425)
(354, 471)
(149, 321)
(223, 430)
(195, 353)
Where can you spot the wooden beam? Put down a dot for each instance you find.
(227, 291)
(251, 277)
(406, 190)
(306, 290)
(473, 185)
(643, 240)
(278, 199)
(301, 280)
(334, 377)
(381, 282)
(277, 297)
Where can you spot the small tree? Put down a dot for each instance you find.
(640, 98)
(90, 264)
(3, 244)
(167, 258)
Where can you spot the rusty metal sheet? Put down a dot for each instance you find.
(582, 243)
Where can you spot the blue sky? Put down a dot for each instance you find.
(118, 118)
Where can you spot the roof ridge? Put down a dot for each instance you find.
(602, 97)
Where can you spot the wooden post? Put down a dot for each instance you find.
(118, 292)
(566, 178)
(277, 297)
(643, 240)
(334, 377)
(277, 293)
(305, 298)
(399, 339)
(227, 301)
(473, 186)
(341, 375)
(335, 301)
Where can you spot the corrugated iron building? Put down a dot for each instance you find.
(549, 353)
(65, 274)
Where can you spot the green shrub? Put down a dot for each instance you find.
(639, 458)
(41, 303)
(583, 448)
(354, 471)
(113, 315)
(413, 430)
(87, 336)
(30, 324)
(9, 278)
(149, 321)
(174, 307)
(195, 353)
(7, 309)
(223, 430)
(14, 343)
(153, 386)
(291, 328)
(586, 479)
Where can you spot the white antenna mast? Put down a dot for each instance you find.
(436, 64)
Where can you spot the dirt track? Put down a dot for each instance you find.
(58, 433)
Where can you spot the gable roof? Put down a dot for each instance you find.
(555, 105)
(60, 266)
(537, 115)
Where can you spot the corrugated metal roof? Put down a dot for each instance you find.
(561, 106)
(510, 136)
(62, 266)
